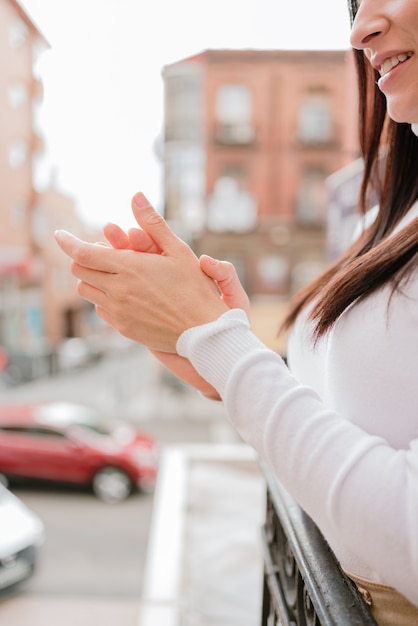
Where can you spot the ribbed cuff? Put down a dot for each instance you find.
(215, 348)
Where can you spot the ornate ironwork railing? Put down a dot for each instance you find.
(303, 583)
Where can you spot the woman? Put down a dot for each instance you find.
(340, 430)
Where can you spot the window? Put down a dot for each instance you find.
(13, 429)
(39, 431)
(273, 270)
(183, 108)
(234, 114)
(18, 34)
(38, 49)
(311, 203)
(17, 153)
(233, 104)
(315, 123)
(185, 183)
(18, 213)
(305, 272)
(32, 431)
(231, 207)
(40, 226)
(18, 94)
(37, 117)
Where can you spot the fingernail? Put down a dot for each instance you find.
(211, 260)
(62, 234)
(141, 200)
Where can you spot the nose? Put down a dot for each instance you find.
(369, 23)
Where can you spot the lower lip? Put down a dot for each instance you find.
(386, 80)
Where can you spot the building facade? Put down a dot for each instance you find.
(20, 98)
(38, 302)
(250, 139)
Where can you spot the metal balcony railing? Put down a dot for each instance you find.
(304, 584)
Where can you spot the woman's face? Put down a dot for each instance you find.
(387, 32)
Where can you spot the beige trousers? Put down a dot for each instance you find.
(388, 606)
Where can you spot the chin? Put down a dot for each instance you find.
(400, 113)
(399, 119)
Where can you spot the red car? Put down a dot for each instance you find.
(68, 443)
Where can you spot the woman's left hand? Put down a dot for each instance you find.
(150, 298)
(138, 240)
(221, 272)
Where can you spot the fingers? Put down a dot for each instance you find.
(92, 294)
(153, 236)
(90, 255)
(142, 242)
(116, 236)
(136, 239)
(225, 276)
(155, 225)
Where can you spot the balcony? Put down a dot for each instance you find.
(316, 141)
(235, 134)
(304, 584)
(221, 552)
(204, 562)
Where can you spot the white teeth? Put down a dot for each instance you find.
(393, 62)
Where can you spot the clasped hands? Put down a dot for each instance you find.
(150, 286)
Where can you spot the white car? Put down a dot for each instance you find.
(22, 532)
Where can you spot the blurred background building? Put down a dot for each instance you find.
(252, 143)
(250, 139)
(39, 306)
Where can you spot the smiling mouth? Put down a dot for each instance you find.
(389, 64)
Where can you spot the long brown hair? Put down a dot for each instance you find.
(390, 156)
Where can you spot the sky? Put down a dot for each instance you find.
(102, 112)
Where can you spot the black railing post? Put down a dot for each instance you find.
(304, 584)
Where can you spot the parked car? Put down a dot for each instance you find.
(65, 442)
(22, 532)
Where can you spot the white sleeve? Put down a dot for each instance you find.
(354, 485)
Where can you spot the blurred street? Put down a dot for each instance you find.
(92, 564)
(129, 383)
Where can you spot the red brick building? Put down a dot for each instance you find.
(39, 305)
(250, 137)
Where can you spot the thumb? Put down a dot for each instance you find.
(154, 224)
(226, 277)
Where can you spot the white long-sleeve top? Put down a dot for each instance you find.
(340, 430)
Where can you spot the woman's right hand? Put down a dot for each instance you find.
(221, 272)
(225, 276)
